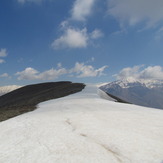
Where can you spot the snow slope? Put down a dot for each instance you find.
(83, 128)
(7, 89)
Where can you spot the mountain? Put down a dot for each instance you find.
(7, 89)
(85, 128)
(140, 92)
(26, 98)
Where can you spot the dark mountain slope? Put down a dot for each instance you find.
(26, 98)
(117, 99)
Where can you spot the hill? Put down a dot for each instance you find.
(26, 98)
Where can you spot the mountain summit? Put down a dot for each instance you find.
(140, 92)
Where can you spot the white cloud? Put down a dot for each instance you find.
(24, 1)
(75, 38)
(83, 70)
(137, 72)
(32, 74)
(52, 74)
(80, 70)
(5, 75)
(28, 74)
(96, 34)
(3, 52)
(82, 9)
(72, 38)
(132, 12)
(2, 61)
(129, 72)
(155, 72)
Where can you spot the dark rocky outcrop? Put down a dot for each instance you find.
(25, 99)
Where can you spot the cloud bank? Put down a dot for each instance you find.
(132, 12)
(32, 74)
(139, 72)
(80, 70)
(83, 70)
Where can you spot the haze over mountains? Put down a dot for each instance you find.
(140, 92)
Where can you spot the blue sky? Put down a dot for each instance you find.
(87, 41)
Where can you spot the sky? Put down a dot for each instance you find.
(88, 41)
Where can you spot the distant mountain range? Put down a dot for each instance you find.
(7, 89)
(140, 92)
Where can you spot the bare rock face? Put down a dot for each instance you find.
(26, 98)
(139, 92)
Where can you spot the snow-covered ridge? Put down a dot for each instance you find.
(7, 89)
(83, 128)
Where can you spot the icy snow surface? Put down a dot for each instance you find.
(83, 128)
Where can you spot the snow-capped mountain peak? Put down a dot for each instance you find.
(130, 82)
(140, 92)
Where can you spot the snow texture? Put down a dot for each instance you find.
(83, 128)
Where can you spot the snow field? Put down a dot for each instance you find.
(83, 128)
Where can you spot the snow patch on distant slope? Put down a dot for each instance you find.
(7, 89)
